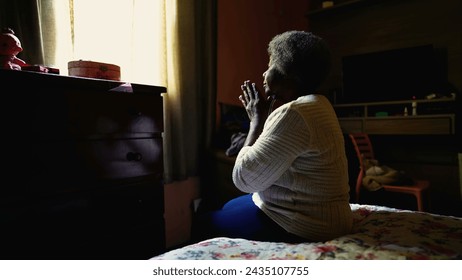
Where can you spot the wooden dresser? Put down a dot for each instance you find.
(82, 168)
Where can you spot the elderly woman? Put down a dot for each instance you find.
(293, 162)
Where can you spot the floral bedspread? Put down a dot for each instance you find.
(379, 233)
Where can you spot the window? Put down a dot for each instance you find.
(128, 33)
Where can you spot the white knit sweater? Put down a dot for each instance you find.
(298, 171)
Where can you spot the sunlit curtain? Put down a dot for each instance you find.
(191, 85)
(159, 42)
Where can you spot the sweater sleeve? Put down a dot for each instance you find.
(285, 136)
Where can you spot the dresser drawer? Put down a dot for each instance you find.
(77, 162)
(82, 114)
(123, 158)
(108, 223)
(115, 113)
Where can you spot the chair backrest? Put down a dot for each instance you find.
(363, 147)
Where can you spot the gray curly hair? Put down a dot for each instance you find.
(301, 56)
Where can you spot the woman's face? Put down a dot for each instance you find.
(273, 82)
(277, 86)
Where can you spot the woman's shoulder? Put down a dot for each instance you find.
(308, 101)
(311, 98)
(302, 107)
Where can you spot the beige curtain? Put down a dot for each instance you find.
(190, 100)
(47, 30)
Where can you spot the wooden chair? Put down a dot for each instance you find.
(364, 150)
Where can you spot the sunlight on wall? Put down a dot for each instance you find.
(127, 33)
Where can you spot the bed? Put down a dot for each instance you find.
(379, 233)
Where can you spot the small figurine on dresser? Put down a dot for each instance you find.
(10, 46)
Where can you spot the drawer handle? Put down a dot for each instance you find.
(131, 156)
(134, 112)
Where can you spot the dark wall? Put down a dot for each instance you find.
(351, 27)
(244, 31)
(375, 25)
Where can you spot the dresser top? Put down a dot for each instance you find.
(30, 79)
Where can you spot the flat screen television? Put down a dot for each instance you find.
(398, 74)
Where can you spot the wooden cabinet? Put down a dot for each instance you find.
(83, 168)
(433, 116)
